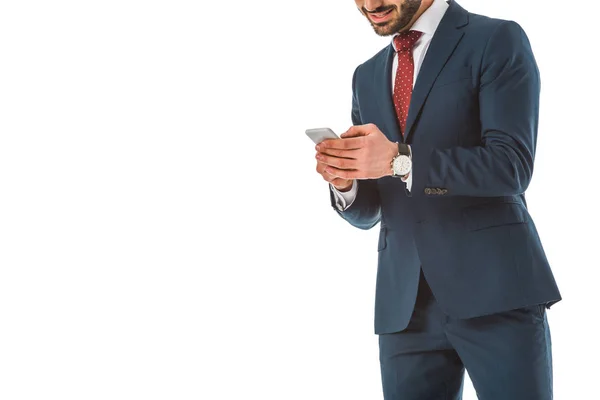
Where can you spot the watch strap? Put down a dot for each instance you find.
(403, 149)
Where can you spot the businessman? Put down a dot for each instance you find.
(440, 153)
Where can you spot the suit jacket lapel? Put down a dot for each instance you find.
(444, 41)
(383, 89)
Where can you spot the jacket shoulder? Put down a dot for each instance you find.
(479, 29)
(378, 58)
(485, 27)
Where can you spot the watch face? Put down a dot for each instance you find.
(402, 165)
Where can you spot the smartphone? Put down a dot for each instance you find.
(319, 134)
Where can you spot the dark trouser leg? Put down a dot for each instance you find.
(419, 363)
(508, 355)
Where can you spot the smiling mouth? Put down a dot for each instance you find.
(381, 15)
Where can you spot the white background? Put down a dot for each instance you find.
(163, 233)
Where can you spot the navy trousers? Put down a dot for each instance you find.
(507, 355)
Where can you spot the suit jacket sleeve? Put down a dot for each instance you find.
(365, 211)
(509, 106)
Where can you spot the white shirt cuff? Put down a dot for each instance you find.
(343, 200)
(408, 181)
(410, 175)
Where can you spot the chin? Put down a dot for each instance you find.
(383, 30)
(387, 28)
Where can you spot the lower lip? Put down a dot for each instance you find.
(381, 17)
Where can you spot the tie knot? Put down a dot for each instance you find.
(406, 40)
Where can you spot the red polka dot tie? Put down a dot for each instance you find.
(403, 84)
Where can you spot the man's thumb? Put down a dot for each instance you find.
(354, 131)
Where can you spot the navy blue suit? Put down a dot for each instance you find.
(464, 227)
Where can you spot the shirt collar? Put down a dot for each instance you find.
(429, 20)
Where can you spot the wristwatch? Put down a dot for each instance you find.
(401, 163)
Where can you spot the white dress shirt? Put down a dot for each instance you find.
(427, 23)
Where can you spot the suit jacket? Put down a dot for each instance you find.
(472, 126)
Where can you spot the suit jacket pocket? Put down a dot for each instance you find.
(490, 215)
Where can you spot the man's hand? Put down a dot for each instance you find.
(363, 152)
(343, 185)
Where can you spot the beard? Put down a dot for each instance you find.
(400, 20)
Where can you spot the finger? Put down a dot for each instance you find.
(352, 154)
(341, 163)
(334, 144)
(352, 131)
(358, 130)
(343, 144)
(327, 177)
(343, 173)
(338, 182)
(321, 168)
(334, 180)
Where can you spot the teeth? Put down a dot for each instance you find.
(381, 14)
